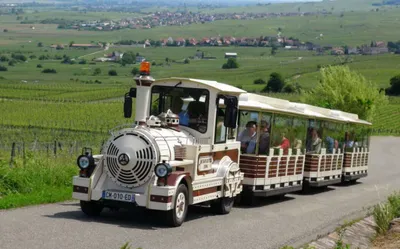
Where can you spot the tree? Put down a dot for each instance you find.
(3, 68)
(394, 88)
(128, 58)
(40, 44)
(5, 30)
(274, 49)
(275, 83)
(135, 71)
(231, 63)
(348, 91)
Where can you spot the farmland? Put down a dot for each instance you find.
(75, 105)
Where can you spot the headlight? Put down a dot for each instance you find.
(83, 162)
(162, 170)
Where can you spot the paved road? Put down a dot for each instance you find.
(294, 220)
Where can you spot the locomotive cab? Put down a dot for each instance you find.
(180, 151)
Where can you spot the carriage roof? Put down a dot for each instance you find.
(259, 102)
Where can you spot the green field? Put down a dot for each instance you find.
(75, 106)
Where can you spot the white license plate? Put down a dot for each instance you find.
(119, 196)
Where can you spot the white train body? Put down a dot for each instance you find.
(198, 169)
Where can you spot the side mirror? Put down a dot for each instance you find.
(231, 112)
(127, 106)
(132, 92)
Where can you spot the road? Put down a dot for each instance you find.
(294, 220)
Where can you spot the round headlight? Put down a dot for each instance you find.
(83, 162)
(162, 170)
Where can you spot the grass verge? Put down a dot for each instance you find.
(385, 212)
(35, 180)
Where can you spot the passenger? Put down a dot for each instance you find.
(348, 142)
(248, 138)
(330, 144)
(264, 138)
(298, 144)
(316, 142)
(285, 144)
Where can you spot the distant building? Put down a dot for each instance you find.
(140, 59)
(230, 55)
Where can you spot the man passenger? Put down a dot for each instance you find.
(316, 142)
(264, 138)
(248, 138)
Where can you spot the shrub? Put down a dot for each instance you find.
(135, 71)
(259, 82)
(384, 213)
(112, 72)
(12, 62)
(289, 88)
(186, 61)
(3, 68)
(275, 83)
(231, 63)
(48, 70)
(39, 65)
(394, 88)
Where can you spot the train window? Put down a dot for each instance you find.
(247, 131)
(331, 136)
(264, 140)
(298, 133)
(282, 132)
(314, 134)
(355, 136)
(191, 104)
(220, 129)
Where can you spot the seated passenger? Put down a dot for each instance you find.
(316, 142)
(330, 142)
(264, 138)
(285, 144)
(248, 138)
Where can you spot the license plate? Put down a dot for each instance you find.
(119, 196)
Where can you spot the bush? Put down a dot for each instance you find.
(3, 68)
(275, 83)
(186, 61)
(97, 71)
(384, 213)
(48, 70)
(39, 65)
(135, 71)
(12, 62)
(259, 82)
(394, 88)
(4, 58)
(231, 63)
(112, 72)
(289, 88)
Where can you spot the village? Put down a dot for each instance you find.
(167, 18)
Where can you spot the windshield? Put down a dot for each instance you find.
(191, 104)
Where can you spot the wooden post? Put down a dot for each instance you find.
(55, 148)
(12, 154)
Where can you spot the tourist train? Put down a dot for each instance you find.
(205, 142)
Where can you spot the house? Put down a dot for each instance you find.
(230, 55)
(140, 59)
(374, 50)
(352, 50)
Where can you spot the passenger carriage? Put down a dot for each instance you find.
(204, 142)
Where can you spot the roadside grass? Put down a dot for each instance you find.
(35, 180)
(385, 212)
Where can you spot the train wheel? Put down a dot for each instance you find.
(223, 205)
(91, 208)
(177, 215)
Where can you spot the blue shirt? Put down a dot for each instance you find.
(184, 118)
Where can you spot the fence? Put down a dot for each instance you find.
(55, 148)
